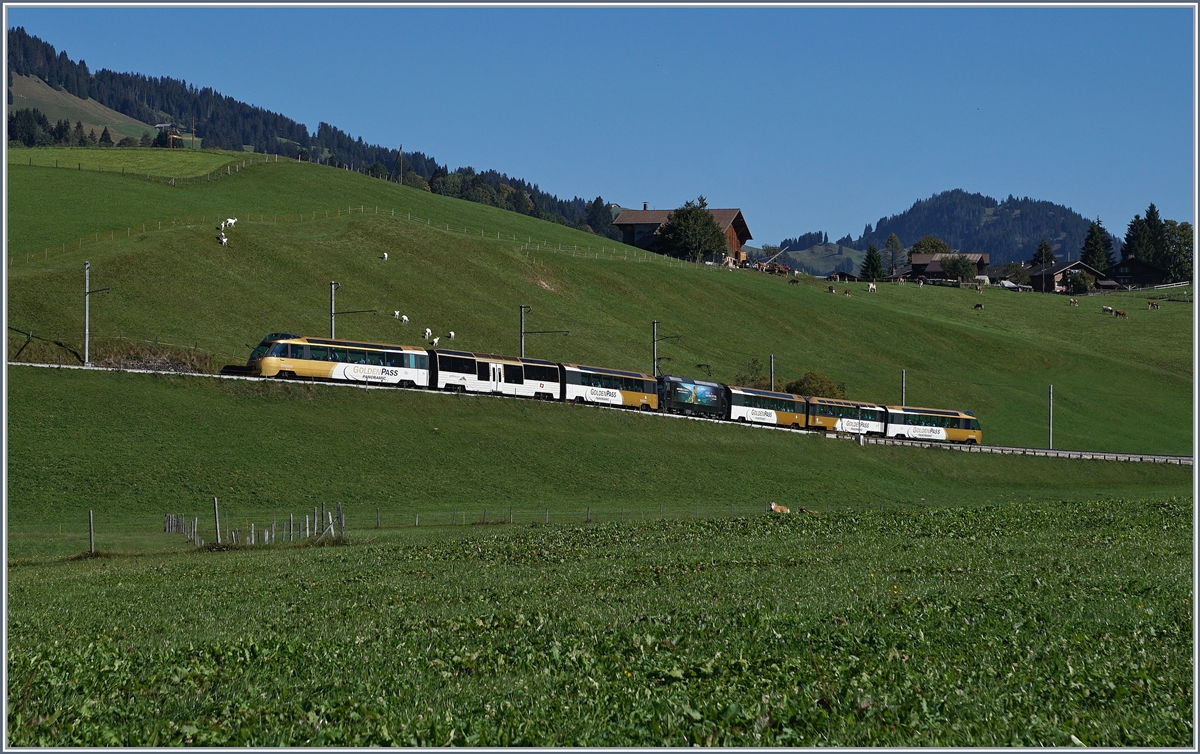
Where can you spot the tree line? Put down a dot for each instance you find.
(1164, 244)
(222, 122)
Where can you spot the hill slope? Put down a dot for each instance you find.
(32, 92)
(1008, 230)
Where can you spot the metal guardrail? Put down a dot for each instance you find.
(1084, 455)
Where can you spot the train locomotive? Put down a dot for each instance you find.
(287, 356)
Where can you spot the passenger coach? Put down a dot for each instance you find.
(285, 355)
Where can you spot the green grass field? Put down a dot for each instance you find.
(936, 598)
(134, 447)
(1022, 624)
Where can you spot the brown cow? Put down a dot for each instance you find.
(979, 288)
(1074, 302)
(1152, 304)
(775, 508)
(846, 292)
(1121, 314)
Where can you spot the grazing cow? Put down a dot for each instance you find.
(1152, 304)
(793, 281)
(1121, 314)
(428, 333)
(451, 335)
(871, 288)
(846, 292)
(1107, 310)
(396, 315)
(901, 281)
(920, 283)
(776, 508)
(222, 226)
(385, 256)
(221, 239)
(979, 288)
(231, 221)
(1074, 302)
(404, 318)
(979, 306)
(831, 289)
(435, 342)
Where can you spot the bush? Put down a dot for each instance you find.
(817, 385)
(1079, 282)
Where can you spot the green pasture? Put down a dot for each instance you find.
(1022, 624)
(134, 161)
(135, 447)
(1120, 385)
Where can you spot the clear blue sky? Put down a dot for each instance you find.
(805, 118)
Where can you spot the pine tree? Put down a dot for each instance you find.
(894, 251)
(1137, 241)
(692, 232)
(1096, 251)
(1156, 237)
(872, 266)
(1044, 253)
(105, 138)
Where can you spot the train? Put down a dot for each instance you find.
(288, 356)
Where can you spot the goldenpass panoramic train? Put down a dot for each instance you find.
(285, 355)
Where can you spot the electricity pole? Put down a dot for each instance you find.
(333, 286)
(655, 340)
(903, 385)
(87, 293)
(1051, 417)
(772, 372)
(525, 332)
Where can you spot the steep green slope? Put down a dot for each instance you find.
(1119, 385)
(32, 92)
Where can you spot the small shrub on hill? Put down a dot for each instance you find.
(816, 384)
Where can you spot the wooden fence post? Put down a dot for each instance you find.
(378, 519)
(589, 514)
(217, 520)
(91, 533)
(341, 522)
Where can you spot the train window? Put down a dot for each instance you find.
(537, 373)
(338, 354)
(418, 361)
(393, 359)
(277, 349)
(258, 351)
(872, 415)
(318, 353)
(375, 358)
(356, 357)
(512, 374)
(573, 377)
(483, 370)
(456, 364)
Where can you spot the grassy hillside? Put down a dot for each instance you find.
(31, 92)
(133, 447)
(823, 259)
(1119, 385)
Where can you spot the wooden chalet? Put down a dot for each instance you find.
(1051, 277)
(1134, 272)
(930, 265)
(639, 227)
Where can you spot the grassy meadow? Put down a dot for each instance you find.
(1119, 385)
(933, 598)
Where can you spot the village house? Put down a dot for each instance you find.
(639, 227)
(930, 265)
(1134, 272)
(1052, 276)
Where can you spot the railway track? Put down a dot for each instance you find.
(1079, 455)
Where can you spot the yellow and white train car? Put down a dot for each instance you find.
(291, 356)
(767, 407)
(612, 387)
(834, 415)
(945, 425)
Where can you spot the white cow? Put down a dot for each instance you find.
(451, 335)
(870, 288)
(435, 342)
(404, 318)
(428, 333)
(221, 239)
(385, 256)
(231, 221)
(396, 315)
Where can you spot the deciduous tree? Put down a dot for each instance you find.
(958, 267)
(929, 245)
(814, 383)
(893, 250)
